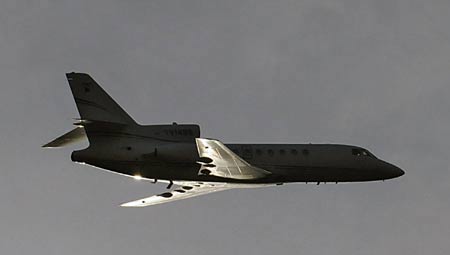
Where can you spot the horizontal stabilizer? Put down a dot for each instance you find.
(76, 135)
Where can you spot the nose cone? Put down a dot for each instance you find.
(389, 171)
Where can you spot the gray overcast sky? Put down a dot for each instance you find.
(374, 73)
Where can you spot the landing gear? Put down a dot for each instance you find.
(155, 181)
(170, 185)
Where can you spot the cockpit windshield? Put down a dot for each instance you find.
(362, 152)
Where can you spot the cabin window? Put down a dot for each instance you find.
(294, 152)
(258, 152)
(270, 152)
(305, 152)
(282, 152)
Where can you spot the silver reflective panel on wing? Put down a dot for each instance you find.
(224, 162)
(182, 192)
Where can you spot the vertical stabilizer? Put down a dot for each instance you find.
(93, 103)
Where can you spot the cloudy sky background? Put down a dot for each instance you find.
(374, 73)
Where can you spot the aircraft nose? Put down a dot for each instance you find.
(390, 171)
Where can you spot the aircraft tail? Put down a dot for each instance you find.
(98, 112)
(71, 137)
(93, 103)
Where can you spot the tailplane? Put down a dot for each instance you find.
(75, 135)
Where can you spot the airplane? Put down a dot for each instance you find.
(177, 154)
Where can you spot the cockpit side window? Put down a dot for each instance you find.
(362, 152)
(356, 152)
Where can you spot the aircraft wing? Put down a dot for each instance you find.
(218, 160)
(179, 193)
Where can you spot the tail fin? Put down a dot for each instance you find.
(93, 103)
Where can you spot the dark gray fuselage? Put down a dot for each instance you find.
(169, 152)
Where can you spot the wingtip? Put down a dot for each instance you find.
(132, 204)
(126, 205)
